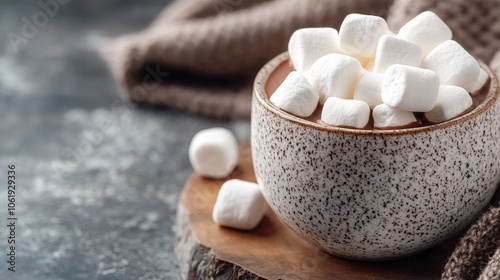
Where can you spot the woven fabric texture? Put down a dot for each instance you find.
(492, 270)
(472, 258)
(212, 49)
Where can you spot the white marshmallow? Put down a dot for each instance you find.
(369, 88)
(370, 65)
(452, 102)
(390, 33)
(426, 30)
(309, 44)
(385, 117)
(239, 205)
(410, 88)
(392, 50)
(335, 75)
(307, 75)
(481, 80)
(213, 152)
(453, 64)
(296, 96)
(345, 113)
(364, 61)
(359, 34)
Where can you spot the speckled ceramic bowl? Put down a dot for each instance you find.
(374, 195)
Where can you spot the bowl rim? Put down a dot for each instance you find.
(269, 67)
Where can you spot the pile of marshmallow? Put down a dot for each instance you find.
(213, 153)
(364, 69)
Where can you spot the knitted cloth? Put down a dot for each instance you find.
(212, 49)
(202, 56)
(475, 23)
(475, 254)
(209, 51)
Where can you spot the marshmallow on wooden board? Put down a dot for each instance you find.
(385, 117)
(453, 64)
(392, 50)
(359, 34)
(296, 96)
(345, 113)
(452, 102)
(239, 205)
(369, 88)
(213, 152)
(426, 30)
(309, 44)
(410, 88)
(480, 82)
(335, 75)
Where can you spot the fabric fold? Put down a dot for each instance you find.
(217, 48)
(473, 252)
(213, 49)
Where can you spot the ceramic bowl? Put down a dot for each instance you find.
(368, 194)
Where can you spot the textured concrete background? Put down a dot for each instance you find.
(97, 180)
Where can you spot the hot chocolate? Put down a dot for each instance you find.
(285, 68)
(364, 76)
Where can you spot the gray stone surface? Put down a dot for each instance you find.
(98, 180)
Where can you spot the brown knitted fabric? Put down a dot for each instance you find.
(492, 270)
(475, 249)
(475, 23)
(212, 49)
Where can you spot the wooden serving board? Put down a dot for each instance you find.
(272, 250)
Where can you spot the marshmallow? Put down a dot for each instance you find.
(410, 88)
(359, 34)
(480, 82)
(213, 152)
(335, 75)
(364, 61)
(453, 64)
(239, 205)
(426, 30)
(345, 113)
(309, 44)
(452, 102)
(296, 96)
(369, 66)
(392, 50)
(307, 75)
(369, 88)
(390, 33)
(385, 117)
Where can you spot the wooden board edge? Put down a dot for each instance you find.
(197, 261)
